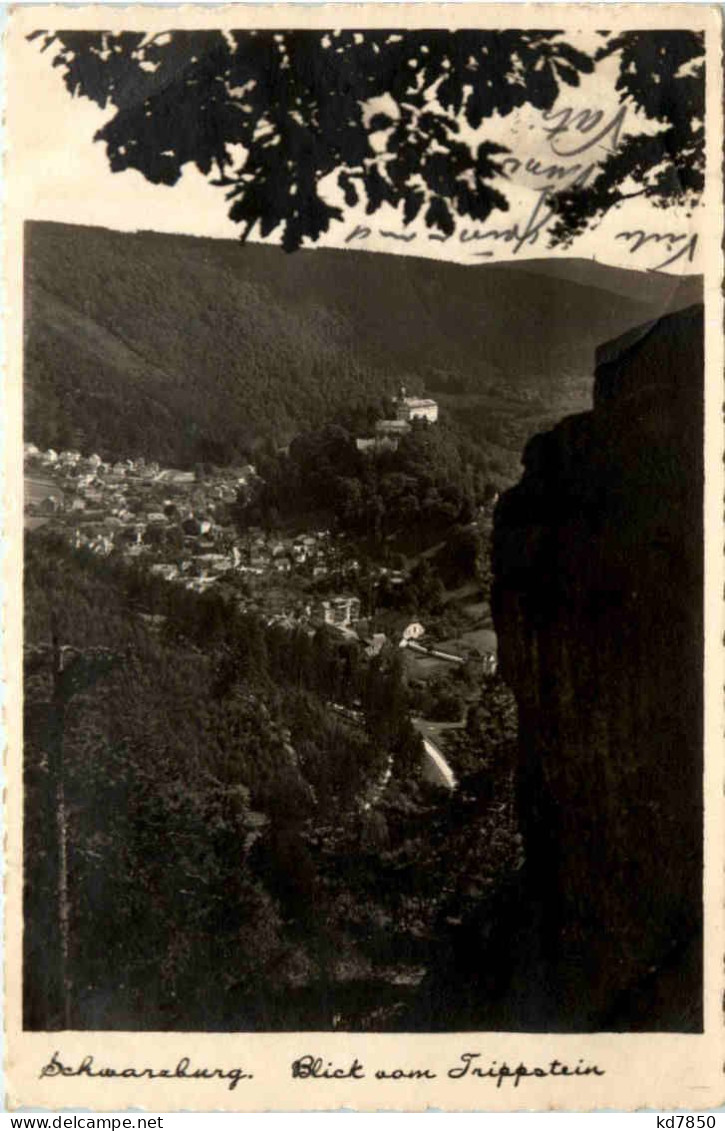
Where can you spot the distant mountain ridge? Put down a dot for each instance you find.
(667, 292)
(187, 349)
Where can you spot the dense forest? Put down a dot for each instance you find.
(186, 350)
(241, 854)
(435, 479)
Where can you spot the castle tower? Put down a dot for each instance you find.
(401, 407)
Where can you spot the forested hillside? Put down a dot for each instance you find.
(226, 868)
(185, 350)
(432, 481)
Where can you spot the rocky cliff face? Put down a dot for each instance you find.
(598, 609)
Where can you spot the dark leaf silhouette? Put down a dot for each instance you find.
(438, 216)
(662, 74)
(274, 116)
(412, 205)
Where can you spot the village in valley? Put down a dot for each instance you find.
(179, 525)
(183, 528)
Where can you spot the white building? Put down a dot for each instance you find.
(415, 408)
(392, 427)
(340, 611)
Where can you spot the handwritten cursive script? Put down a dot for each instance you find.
(677, 247)
(569, 131)
(581, 123)
(524, 233)
(182, 1071)
(561, 176)
(519, 234)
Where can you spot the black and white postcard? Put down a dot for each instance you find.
(363, 558)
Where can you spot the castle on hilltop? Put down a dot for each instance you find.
(407, 409)
(414, 408)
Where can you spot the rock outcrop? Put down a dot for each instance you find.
(598, 566)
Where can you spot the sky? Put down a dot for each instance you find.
(64, 176)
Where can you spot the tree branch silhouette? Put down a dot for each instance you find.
(279, 118)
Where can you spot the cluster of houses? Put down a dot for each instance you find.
(133, 505)
(181, 527)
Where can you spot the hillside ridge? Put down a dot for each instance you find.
(232, 346)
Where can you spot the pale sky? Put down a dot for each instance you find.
(65, 177)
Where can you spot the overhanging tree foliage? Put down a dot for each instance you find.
(663, 75)
(278, 118)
